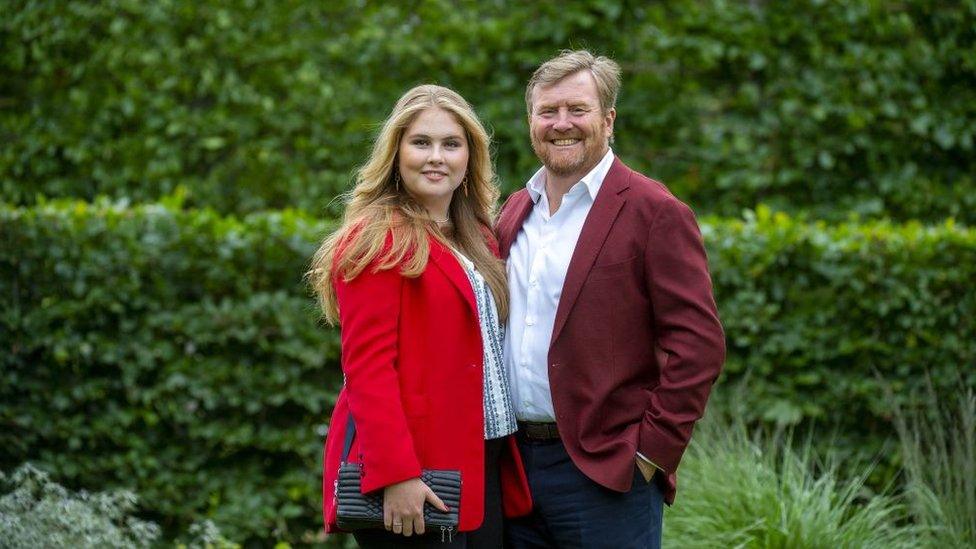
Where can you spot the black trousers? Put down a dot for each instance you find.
(488, 536)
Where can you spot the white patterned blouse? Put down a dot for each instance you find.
(499, 410)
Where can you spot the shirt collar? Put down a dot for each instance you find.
(592, 180)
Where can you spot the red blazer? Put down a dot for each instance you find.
(412, 356)
(637, 342)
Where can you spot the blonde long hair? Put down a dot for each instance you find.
(378, 206)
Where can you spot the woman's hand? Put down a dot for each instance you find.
(403, 506)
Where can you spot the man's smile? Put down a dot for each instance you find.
(565, 142)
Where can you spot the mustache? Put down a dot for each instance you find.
(552, 137)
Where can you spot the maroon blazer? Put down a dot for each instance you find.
(637, 341)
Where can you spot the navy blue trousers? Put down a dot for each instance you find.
(570, 510)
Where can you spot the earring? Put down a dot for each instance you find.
(464, 183)
(396, 179)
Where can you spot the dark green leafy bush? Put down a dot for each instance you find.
(824, 318)
(179, 352)
(174, 352)
(825, 106)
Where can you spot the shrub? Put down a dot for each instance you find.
(37, 512)
(739, 490)
(173, 351)
(938, 452)
(181, 353)
(828, 106)
(823, 318)
(206, 535)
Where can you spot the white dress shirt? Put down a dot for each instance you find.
(537, 265)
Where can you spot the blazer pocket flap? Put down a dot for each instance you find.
(611, 270)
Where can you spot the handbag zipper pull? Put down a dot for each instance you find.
(442, 533)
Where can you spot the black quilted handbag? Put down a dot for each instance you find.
(355, 510)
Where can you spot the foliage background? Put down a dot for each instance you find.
(825, 106)
(161, 338)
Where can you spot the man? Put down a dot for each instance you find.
(613, 339)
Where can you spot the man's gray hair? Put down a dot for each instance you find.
(605, 71)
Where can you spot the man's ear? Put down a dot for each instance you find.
(609, 119)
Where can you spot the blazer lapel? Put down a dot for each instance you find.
(511, 220)
(450, 265)
(595, 230)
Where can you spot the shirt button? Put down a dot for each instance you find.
(530, 320)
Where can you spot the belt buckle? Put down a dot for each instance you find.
(534, 430)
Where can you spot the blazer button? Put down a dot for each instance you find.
(555, 364)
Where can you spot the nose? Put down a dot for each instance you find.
(436, 155)
(562, 123)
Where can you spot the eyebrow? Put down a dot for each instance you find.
(450, 136)
(569, 104)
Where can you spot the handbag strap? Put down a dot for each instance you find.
(350, 433)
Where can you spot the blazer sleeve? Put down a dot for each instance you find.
(369, 314)
(690, 344)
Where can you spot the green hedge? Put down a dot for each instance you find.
(822, 106)
(178, 353)
(821, 318)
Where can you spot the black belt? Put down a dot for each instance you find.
(534, 430)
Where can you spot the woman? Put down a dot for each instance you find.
(413, 279)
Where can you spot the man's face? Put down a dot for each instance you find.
(570, 133)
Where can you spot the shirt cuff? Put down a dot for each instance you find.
(649, 462)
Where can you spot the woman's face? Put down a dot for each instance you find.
(433, 158)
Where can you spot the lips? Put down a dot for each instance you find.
(434, 175)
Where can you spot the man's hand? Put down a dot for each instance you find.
(403, 506)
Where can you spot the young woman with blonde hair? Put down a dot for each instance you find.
(413, 280)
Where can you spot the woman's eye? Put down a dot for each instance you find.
(452, 144)
(419, 142)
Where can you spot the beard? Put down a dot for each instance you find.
(565, 163)
(559, 163)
